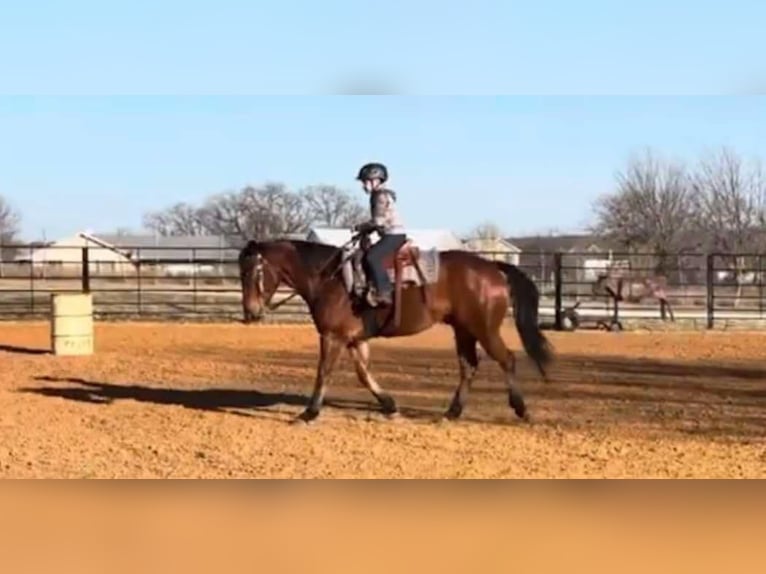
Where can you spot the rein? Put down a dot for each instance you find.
(273, 306)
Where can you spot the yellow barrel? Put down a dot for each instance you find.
(72, 323)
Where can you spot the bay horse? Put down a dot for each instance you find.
(469, 293)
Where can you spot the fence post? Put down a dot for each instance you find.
(710, 288)
(194, 279)
(139, 282)
(32, 284)
(85, 270)
(557, 285)
(760, 286)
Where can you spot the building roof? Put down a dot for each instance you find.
(69, 249)
(491, 244)
(440, 239)
(573, 243)
(171, 247)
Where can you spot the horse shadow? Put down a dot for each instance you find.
(208, 399)
(6, 348)
(720, 399)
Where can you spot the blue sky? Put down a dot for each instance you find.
(483, 47)
(140, 104)
(529, 163)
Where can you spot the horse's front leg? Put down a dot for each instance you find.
(360, 353)
(329, 351)
(665, 308)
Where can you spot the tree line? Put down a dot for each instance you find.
(657, 205)
(667, 207)
(10, 221)
(268, 211)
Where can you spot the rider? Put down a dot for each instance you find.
(383, 219)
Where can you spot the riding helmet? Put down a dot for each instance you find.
(373, 171)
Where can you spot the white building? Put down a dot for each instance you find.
(66, 255)
(120, 254)
(424, 239)
(495, 249)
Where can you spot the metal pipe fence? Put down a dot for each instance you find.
(203, 283)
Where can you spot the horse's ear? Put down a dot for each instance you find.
(250, 248)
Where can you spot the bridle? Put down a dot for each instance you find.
(261, 266)
(259, 274)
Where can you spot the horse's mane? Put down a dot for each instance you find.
(314, 256)
(250, 248)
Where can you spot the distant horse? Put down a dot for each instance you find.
(639, 288)
(465, 291)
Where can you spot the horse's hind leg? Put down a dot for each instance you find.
(360, 353)
(468, 360)
(495, 346)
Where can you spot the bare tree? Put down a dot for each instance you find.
(651, 209)
(256, 212)
(225, 214)
(287, 211)
(262, 212)
(10, 220)
(179, 219)
(330, 206)
(730, 208)
(486, 230)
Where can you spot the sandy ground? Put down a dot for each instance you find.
(160, 400)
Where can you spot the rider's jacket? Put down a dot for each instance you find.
(383, 211)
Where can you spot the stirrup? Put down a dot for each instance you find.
(380, 300)
(371, 297)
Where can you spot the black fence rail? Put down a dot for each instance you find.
(202, 283)
(710, 289)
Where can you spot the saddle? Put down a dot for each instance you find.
(403, 266)
(406, 256)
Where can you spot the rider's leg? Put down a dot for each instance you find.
(375, 256)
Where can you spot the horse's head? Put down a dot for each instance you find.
(260, 278)
(301, 265)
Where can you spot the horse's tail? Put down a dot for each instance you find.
(526, 300)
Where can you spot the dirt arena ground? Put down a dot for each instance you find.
(170, 400)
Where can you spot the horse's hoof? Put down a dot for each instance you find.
(527, 418)
(450, 416)
(517, 404)
(388, 406)
(305, 418)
